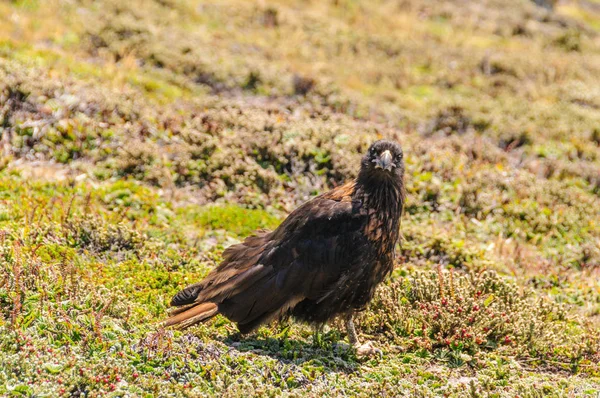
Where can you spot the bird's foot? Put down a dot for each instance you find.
(367, 349)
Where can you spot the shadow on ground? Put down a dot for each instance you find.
(327, 350)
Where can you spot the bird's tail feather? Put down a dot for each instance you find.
(186, 316)
(242, 289)
(250, 302)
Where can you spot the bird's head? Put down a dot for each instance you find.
(385, 160)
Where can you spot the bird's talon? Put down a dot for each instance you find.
(367, 349)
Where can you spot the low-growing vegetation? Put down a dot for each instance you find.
(139, 139)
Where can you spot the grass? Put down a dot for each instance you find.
(141, 139)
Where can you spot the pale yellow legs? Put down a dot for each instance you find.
(366, 349)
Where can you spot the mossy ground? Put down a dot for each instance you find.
(140, 139)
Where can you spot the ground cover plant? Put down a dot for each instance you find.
(140, 139)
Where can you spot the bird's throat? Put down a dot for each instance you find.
(383, 203)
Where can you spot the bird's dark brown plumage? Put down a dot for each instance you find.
(325, 259)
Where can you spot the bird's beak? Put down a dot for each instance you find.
(385, 161)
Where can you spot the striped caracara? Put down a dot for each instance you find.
(324, 260)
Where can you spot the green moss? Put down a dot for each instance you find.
(155, 86)
(231, 218)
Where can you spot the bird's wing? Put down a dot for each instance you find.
(318, 242)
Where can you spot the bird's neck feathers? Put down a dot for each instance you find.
(382, 199)
(384, 194)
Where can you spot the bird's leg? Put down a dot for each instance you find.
(366, 349)
(352, 336)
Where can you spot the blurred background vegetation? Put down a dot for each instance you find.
(140, 138)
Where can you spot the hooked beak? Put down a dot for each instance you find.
(384, 161)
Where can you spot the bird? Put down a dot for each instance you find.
(323, 261)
